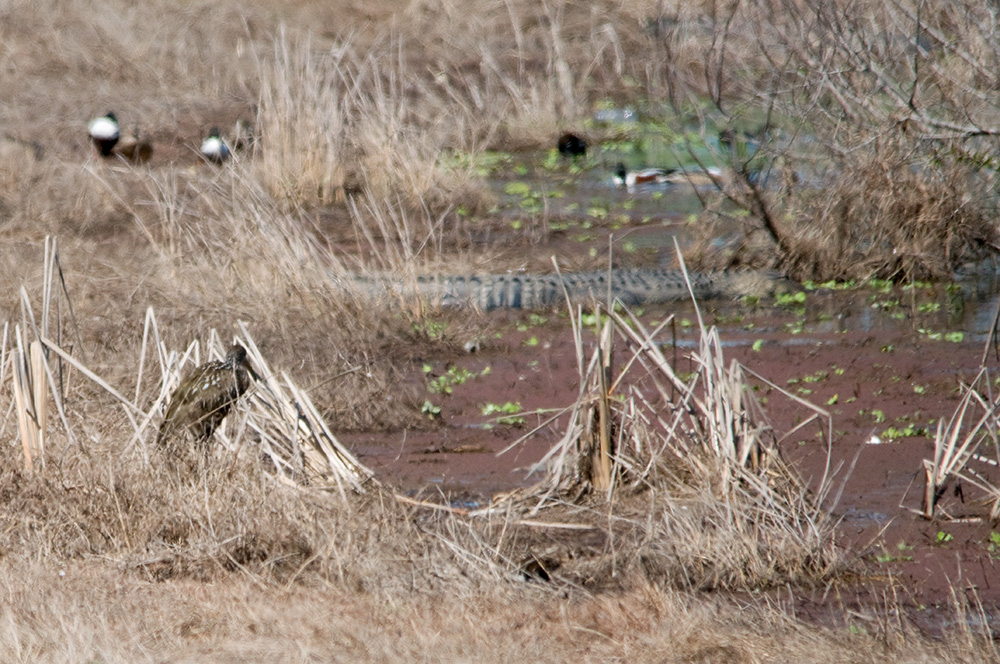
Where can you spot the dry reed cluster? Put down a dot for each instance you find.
(681, 474)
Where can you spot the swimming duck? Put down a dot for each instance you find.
(104, 132)
(213, 148)
(571, 145)
(624, 178)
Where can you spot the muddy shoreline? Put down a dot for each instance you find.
(885, 379)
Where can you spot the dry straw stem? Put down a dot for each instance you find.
(293, 430)
(956, 444)
(30, 398)
(30, 370)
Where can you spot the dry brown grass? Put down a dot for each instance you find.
(74, 614)
(337, 121)
(108, 555)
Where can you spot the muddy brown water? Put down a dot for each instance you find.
(873, 373)
(886, 364)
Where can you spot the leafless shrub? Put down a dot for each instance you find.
(874, 128)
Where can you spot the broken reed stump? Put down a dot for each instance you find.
(30, 399)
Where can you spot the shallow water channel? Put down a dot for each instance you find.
(644, 224)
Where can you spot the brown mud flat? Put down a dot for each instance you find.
(871, 378)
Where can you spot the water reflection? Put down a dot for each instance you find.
(963, 311)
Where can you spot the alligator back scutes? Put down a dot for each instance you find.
(633, 287)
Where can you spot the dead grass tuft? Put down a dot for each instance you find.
(164, 525)
(887, 218)
(229, 520)
(338, 121)
(695, 494)
(957, 457)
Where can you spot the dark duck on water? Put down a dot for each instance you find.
(626, 178)
(571, 145)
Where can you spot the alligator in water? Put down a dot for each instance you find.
(633, 287)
